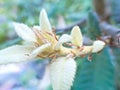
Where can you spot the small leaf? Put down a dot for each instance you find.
(24, 32)
(76, 36)
(93, 26)
(62, 73)
(16, 53)
(44, 22)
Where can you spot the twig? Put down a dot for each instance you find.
(111, 30)
(106, 28)
(68, 28)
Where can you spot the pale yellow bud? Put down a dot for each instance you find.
(98, 46)
(44, 22)
(76, 36)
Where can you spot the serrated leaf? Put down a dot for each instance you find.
(93, 25)
(76, 36)
(95, 75)
(44, 22)
(24, 32)
(116, 52)
(62, 73)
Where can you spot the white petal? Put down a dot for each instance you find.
(62, 73)
(40, 49)
(98, 46)
(44, 22)
(65, 38)
(16, 53)
(24, 32)
(76, 36)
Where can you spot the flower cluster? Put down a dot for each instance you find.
(42, 42)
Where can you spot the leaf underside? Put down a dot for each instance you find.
(62, 73)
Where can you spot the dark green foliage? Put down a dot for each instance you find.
(116, 52)
(97, 74)
(93, 26)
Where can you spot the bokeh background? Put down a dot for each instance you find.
(102, 73)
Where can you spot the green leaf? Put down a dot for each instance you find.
(95, 75)
(93, 26)
(116, 53)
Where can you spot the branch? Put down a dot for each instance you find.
(112, 31)
(106, 28)
(68, 28)
(104, 14)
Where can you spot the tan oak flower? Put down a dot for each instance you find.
(43, 43)
(40, 38)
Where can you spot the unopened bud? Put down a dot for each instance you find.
(98, 46)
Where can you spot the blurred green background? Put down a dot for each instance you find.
(103, 73)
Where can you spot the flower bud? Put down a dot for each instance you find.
(98, 46)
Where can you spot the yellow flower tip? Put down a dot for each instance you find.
(44, 21)
(98, 46)
(77, 36)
